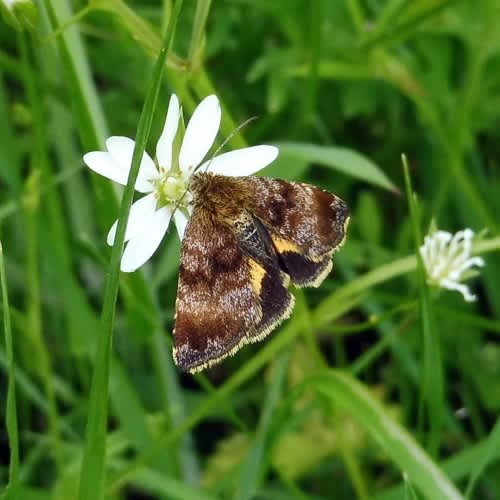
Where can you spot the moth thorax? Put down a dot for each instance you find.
(224, 196)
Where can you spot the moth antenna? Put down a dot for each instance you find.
(228, 138)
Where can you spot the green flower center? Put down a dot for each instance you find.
(171, 189)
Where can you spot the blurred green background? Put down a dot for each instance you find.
(377, 387)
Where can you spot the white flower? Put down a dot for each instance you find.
(447, 257)
(166, 181)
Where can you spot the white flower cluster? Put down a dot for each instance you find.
(447, 257)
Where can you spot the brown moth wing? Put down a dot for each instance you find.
(305, 223)
(216, 304)
(268, 279)
(276, 303)
(229, 292)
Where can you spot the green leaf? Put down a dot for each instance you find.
(344, 160)
(457, 467)
(488, 455)
(351, 396)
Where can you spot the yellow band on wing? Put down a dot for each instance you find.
(283, 245)
(257, 273)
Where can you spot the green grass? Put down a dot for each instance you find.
(378, 386)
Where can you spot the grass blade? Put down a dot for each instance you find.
(344, 160)
(399, 445)
(432, 395)
(490, 446)
(10, 410)
(257, 459)
(93, 466)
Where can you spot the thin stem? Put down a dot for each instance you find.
(196, 43)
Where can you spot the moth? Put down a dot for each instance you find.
(247, 239)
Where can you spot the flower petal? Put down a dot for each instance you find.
(121, 150)
(140, 211)
(181, 221)
(140, 248)
(461, 267)
(459, 287)
(242, 162)
(104, 164)
(164, 144)
(200, 133)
